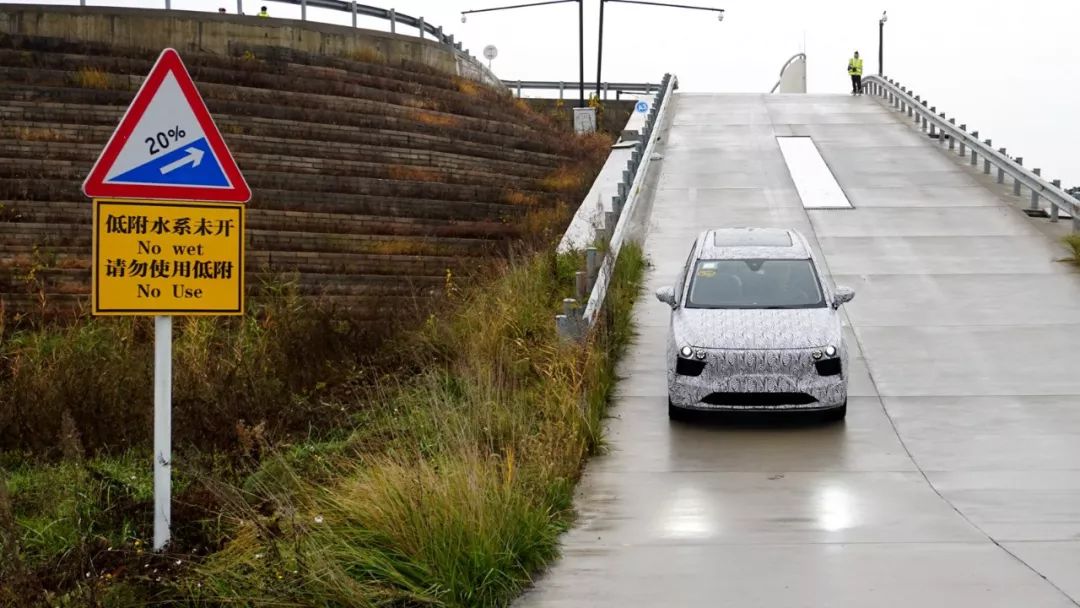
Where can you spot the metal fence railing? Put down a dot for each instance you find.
(558, 85)
(947, 132)
(592, 282)
(394, 18)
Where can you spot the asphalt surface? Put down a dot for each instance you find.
(955, 480)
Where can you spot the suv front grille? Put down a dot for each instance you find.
(758, 399)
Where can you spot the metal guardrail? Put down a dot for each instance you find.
(780, 79)
(357, 10)
(559, 85)
(575, 322)
(947, 131)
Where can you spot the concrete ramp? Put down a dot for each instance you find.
(955, 480)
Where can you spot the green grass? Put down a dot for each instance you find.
(458, 484)
(1073, 243)
(448, 486)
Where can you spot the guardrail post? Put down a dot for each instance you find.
(519, 88)
(353, 3)
(303, 10)
(420, 25)
(581, 284)
(1054, 211)
(910, 113)
(605, 91)
(952, 140)
(1035, 193)
(974, 153)
(933, 129)
(1001, 169)
(609, 226)
(438, 34)
(986, 159)
(923, 115)
(562, 85)
(963, 146)
(1016, 181)
(592, 265)
(617, 204)
(569, 306)
(393, 21)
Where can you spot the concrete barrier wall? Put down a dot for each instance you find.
(152, 29)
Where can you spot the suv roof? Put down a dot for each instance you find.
(741, 243)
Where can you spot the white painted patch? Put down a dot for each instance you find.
(814, 181)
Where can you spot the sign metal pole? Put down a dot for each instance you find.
(162, 429)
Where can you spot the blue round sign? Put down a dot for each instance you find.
(642, 106)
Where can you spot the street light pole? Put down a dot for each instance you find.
(881, 44)
(581, 34)
(600, 36)
(600, 48)
(581, 51)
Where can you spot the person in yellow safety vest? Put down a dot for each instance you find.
(263, 13)
(854, 69)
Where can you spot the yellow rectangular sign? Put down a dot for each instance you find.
(168, 258)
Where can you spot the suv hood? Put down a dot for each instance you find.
(756, 328)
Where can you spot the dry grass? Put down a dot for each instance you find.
(467, 87)
(367, 55)
(435, 119)
(545, 225)
(92, 78)
(404, 248)
(565, 179)
(38, 134)
(420, 103)
(414, 174)
(517, 197)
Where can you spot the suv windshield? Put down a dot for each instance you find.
(754, 284)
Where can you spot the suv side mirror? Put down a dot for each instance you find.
(667, 296)
(842, 295)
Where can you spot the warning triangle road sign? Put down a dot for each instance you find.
(167, 146)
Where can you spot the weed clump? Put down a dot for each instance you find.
(1072, 241)
(92, 78)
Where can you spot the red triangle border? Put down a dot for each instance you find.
(95, 187)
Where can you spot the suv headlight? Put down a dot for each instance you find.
(830, 351)
(686, 352)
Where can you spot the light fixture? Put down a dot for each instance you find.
(884, 17)
(463, 18)
(686, 352)
(830, 351)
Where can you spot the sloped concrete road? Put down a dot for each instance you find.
(955, 481)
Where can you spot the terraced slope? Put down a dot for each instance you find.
(370, 180)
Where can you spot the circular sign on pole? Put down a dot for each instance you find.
(641, 106)
(490, 52)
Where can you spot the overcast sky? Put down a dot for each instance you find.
(1004, 68)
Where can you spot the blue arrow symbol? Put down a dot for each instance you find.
(193, 165)
(193, 158)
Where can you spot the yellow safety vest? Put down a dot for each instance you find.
(264, 14)
(854, 66)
